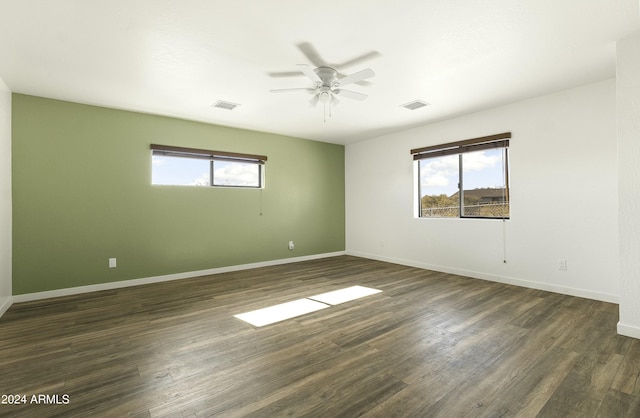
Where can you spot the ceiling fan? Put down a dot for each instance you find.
(327, 86)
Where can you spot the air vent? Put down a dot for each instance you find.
(416, 104)
(225, 105)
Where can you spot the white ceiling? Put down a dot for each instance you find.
(178, 57)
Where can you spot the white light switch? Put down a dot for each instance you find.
(112, 263)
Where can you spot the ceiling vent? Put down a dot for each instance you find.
(416, 104)
(225, 105)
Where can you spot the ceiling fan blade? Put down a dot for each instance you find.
(355, 77)
(284, 74)
(308, 71)
(358, 60)
(314, 100)
(360, 83)
(293, 90)
(334, 100)
(312, 55)
(351, 94)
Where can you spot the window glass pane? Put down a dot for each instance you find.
(439, 186)
(180, 171)
(484, 184)
(228, 173)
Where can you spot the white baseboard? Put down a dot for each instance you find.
(587, 294)
(157, 279)
(5, 304)
(628, 330)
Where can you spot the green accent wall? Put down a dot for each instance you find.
(82, 193)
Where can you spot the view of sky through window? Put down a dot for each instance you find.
(482, 169)
(227, 173)
(179, 171)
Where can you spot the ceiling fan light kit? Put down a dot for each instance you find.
(327, 86)
(325, 97)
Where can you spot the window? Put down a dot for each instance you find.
(465, 179)
(195, 167)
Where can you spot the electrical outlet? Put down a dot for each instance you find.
(112, 263)
(291, 246)
(562, 264)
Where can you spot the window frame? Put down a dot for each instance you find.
(459, 148)
(212, 157)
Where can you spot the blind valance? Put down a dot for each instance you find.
(460, 147)
(171, 151)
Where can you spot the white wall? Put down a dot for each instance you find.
(563, 189)
(5, 198)
(628, 102)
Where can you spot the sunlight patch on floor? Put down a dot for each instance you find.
(277, 313)
(345, 295)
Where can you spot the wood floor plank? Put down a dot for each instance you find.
(627, 379)
(430, 344)
(620, 405)
(533, 386)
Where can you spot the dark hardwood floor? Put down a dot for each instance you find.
(430, 345)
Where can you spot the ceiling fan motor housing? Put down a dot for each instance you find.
(328, 75)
